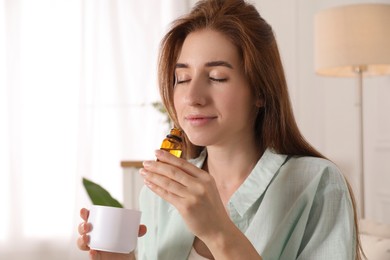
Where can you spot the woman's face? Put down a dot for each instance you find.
(212, 98)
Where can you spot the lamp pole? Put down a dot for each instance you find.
(359, 71)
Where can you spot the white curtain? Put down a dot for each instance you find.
(77, 79)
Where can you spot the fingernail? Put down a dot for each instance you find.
(149, 184)
(142, 172)
(147, 163)
(158, 153)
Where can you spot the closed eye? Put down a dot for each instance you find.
(218, 79)
(182, 81)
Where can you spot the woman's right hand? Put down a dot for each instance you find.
(83, 240)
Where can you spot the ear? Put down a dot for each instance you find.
(259, 102)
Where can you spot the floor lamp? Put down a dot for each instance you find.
(353, 41)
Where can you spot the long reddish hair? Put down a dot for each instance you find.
(275, 125)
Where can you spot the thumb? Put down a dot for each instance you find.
(142, 230)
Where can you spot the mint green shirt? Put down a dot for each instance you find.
(288, 207)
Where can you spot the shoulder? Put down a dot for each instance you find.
(313, 169)
(312, 164)
(310, 179)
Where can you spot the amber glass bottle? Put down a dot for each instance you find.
(173, 142)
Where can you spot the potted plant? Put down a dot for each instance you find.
(99, 195)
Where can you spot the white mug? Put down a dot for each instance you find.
(114, 229)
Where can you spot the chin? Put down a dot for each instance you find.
(198, 139)
(202, 136)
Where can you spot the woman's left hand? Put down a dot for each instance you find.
(192, 191)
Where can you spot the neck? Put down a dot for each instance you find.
(231, 164)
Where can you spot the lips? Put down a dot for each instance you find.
(199, 120)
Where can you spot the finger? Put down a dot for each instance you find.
(184, 165)
(142, 230)
(163, 193)
(84, 213)
(163, 182)
(167, 170)
(97, 255)
(82, 242)
(84, 228)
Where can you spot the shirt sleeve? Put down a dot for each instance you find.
(147, 245)
(330, 230)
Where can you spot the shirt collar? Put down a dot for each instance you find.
(256, 183)
(198, 161)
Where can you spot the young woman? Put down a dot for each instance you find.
(250, 187)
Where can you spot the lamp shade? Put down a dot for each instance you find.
(351, 37)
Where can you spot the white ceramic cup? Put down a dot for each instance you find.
(114, 229)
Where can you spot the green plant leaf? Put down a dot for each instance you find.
(99, 195)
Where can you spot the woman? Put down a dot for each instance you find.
(252, 187)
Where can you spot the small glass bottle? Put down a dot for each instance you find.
(173, 142)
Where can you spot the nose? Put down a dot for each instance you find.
(196, 92)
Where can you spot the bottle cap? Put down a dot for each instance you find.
(176, 131)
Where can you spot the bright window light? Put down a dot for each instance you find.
(49, 94)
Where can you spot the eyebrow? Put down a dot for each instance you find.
(208, 64)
